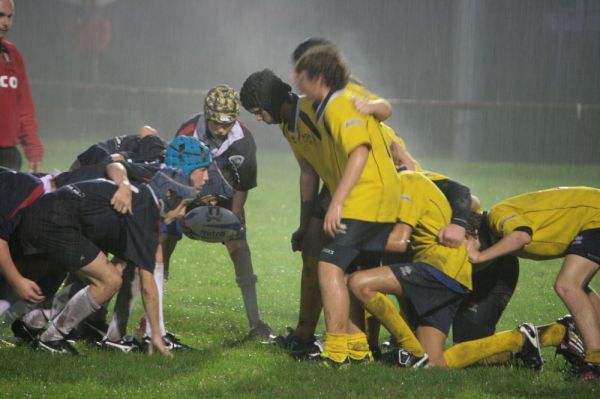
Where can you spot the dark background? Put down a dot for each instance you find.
(511, 80)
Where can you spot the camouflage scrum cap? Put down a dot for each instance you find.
(222, 105)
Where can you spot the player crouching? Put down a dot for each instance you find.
(76, 225)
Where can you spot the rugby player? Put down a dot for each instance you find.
(17, 191)
(272, 101)
(364, 190)
(75, 225)
(234, 150)
(185, 153)
(434, 283)
(548, 224)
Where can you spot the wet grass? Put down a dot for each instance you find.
(204, 308)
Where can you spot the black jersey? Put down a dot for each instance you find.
(17, 191)
(137, 173)
(239, 150)
(73, 224)
(132, 147)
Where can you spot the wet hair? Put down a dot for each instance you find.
(325, 61)
(306, 45)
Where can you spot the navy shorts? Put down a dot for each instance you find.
(360, 236)
(433, 302)
(587, 245)
(481, 310)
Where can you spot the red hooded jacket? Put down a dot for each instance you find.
(17, 112)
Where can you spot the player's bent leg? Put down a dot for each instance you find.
(124, 303)
(369, 287)
(104, 281)
(433, 341)
(571, 286)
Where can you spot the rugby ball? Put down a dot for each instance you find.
(211, 224)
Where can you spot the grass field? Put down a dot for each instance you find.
(204, 308)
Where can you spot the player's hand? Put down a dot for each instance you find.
(121, 200)
(332, 224)
(156, 343)
(35, 167)
(298, 238)
(452, 235)
(362, 105)
(28, 290)
(176, 213)
(473, 246)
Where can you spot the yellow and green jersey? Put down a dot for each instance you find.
(374, 198)
(554, 217)
(425, 208)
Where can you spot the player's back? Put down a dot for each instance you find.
(554, 216)
(426, 209)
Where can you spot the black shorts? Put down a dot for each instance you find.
(587, 245)
(55, 231)
(10, 157)
(434, 303)
(360, 236)
(481, 310)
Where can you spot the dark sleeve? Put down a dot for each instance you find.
(142, 231)
(17, 191)
(246, 166)
(459, 197)
(140, 172)
(94, 154)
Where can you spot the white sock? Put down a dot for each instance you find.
(159, 278)
(78, 308)
(4, 306)
(35, 319)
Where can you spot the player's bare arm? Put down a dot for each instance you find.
(380, 109)
(121, 200)
(150, 297)
(25, 289)
(399, 238)
(309, 185)
(357, 159)
(510, 243)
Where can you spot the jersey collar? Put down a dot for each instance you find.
(321, 108)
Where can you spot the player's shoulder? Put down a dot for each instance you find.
(188, 127)
(339, 106)
(417, 183)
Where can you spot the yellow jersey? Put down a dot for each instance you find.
(374, 198)
(554, 216)
(390, 135)
(305, 138)
(425, 208)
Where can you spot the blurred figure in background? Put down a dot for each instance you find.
(17, 112)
